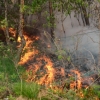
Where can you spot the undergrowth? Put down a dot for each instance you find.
(13, 84)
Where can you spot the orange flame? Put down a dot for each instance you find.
(62, 72)
(49, 76)
(78, 82)
(30, 52)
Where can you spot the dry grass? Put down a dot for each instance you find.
(21, 98)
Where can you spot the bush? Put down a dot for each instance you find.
(29, 90)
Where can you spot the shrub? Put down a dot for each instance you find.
(29, 90)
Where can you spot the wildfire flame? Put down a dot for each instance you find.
(46, 76)
(78, 82)
(30, 51)
(49, 77)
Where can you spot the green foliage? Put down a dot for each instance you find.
(10, 97)
(4, 23)
(7, 67)
(50, 20)
(8, 70)
(68, 5)
(7, 64)
(29, 90)
(7, 51)
(2, 89)
(63, 56)
(37, 5)
(60, 57)
(33, 7)
(96, 89)
(71, 95)
(44, 98)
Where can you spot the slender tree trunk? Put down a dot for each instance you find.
(62, 19)
(99, 52)
(99, 43)
(21, 21)
(86, 18)
(6, 23)
(17, 33)
(51, 19)
(84, 13)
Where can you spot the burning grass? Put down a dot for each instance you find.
(55, 81)
(60, 85)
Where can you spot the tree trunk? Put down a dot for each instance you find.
(21, 20)
(86, 18)
(51, 20)
(17, 33)
(6, 31)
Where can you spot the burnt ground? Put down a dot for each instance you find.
(78, 61)
(28, 31)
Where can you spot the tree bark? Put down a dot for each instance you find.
(51, 20)
(86, 18)
(21, 21)
(6, 31)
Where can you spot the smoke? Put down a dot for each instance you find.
(81, 41)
